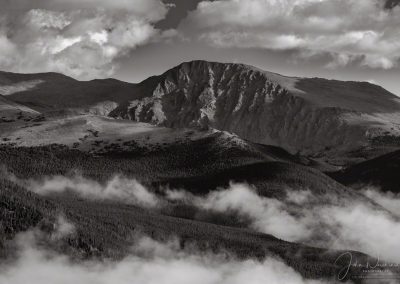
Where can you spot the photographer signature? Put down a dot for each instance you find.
(347, 259)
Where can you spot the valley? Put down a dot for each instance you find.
(226, 158)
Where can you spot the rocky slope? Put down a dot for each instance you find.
(310, 116)
(331, 120)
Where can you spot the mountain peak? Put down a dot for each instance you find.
(305, 115)
(300, 114)
(214, 70)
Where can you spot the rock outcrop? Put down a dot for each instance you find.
(301, 115)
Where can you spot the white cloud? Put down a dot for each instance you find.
(99, 37)
(47, 19)
(268, 215)
(118, 188)
(61, 43)
(7, 51)
(63, 228)
(347, 30)
(149, 262)
(388, 200)
(301, 216)
(83, 39)
(312, 220)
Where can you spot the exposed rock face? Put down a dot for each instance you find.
(199, 92)
(312, 116)
(300, 115)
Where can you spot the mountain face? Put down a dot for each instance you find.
(325, 119)
(301, 115)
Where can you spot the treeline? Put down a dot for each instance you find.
(386, 140)
(178, 160)
(21, 210)
(107, 229)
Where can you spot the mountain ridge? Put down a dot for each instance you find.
(311, 116)
(53, 91)
(263, 107)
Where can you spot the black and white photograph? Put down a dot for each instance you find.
(199, 141)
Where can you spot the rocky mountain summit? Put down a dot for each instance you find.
(308, 116)
(301, 115)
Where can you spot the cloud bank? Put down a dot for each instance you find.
(117, 189)
(149, 262)
(348, 31)
(302, 217)
(388, 200)
(83, 39)
(299, 217)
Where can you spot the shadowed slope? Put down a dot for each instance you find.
(382, 172)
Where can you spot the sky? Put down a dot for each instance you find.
(133, 39)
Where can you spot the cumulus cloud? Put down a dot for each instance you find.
(346, 30)
(149, 262)
(83, 39)
(118, 188)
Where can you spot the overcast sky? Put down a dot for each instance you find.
(133, 39)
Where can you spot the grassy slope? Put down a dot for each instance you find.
(356, 96)
(272, 179)
(157, 158)
(59, 91)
